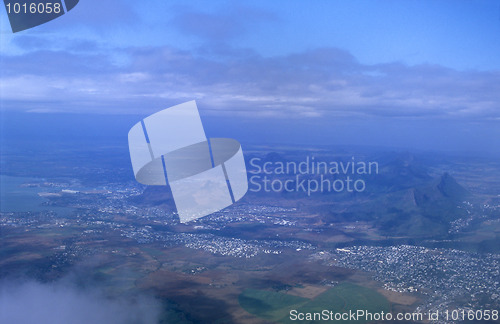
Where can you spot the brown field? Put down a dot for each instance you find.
(398, 298)
(25, 256)
(202, 285)
(308, 291)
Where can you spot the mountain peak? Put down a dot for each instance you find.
(450, 188)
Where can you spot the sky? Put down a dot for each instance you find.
(404, 73)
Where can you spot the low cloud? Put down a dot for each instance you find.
(325, 82)
(62, 302)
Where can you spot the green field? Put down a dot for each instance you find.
(276, 306)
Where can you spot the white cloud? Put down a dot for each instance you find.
(324, 82)
(60, 303)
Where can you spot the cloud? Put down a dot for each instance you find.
(219, 26)
(62, 303)
(326, 82)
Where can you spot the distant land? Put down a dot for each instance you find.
(423, 236)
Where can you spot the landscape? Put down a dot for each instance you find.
(423, 237)
(265, 161)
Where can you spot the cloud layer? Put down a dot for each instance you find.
(59, 303)
(316, 83)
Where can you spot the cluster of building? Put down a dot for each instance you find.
(451, 278)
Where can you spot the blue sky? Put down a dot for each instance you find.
(373, 62)
(457, 34)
